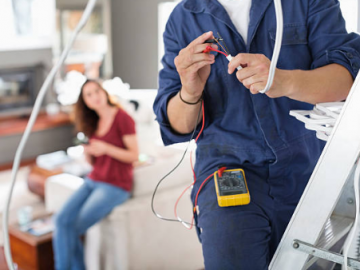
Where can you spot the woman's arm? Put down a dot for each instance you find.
(128, 155)
(89, 159)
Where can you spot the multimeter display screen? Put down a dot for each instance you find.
(231, 183)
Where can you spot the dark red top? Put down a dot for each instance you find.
(107, 169)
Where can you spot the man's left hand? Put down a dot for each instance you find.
(255, 73)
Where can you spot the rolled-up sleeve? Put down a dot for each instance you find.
(328, 39)
(169, 86)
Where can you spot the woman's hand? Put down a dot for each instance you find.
(96, 148)
(193, 67)
(255, 72)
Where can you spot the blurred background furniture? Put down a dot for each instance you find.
(31, 252)
(50, 133)
(37, 178)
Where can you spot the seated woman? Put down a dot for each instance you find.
(111, 150)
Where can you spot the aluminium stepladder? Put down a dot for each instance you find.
(326, 209)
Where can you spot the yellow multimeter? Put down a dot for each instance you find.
(231, 187)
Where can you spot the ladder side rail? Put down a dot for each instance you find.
(324, 188)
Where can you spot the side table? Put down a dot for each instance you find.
(31, 252)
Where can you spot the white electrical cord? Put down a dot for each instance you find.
(277, 47)
(229, 58)
(87, 12)
(355, 225)
(278, 42)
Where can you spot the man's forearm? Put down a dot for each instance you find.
(325, 84)
(182, 116)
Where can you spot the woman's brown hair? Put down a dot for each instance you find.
(85, 119)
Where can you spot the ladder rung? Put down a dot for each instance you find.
(335, 229)
(324, 254)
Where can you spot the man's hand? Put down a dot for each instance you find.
(96, 148)
(193, 67)
(255, 73)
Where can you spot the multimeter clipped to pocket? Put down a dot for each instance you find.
(231, 187)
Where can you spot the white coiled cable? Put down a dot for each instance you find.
(87, 12)
(277, 48)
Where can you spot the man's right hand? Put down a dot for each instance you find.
(194, 68)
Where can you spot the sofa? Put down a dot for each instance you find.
(131, 236)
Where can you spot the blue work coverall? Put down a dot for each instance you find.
(253, 132)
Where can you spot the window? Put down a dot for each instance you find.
(89, 50)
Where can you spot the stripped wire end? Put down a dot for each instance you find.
(226, 49)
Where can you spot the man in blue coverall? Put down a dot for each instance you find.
(244, 129)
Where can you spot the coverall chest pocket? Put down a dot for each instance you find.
(295, 53)
(293, 34)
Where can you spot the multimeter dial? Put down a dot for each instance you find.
(232, 183)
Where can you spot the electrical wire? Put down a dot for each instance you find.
(87, 12)
(221, 45)
(214, 50)
(200, 188)
(351, 236)
(186, 224)
(278, 42)
(274, 60)
(277, 47)
(226, 50)
(175, 212)
(210, 49)
(194, 175)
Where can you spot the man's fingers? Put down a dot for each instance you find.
(242, 59)
(190, 59)
(195, 67)
(257, 87)
(253, 80)
(246, 73)
(245, 59)
(199, 48)
(201, 39)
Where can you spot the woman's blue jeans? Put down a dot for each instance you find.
(88, 205)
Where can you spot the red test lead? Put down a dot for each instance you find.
(228, 56)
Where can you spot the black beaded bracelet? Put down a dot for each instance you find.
(189, 103)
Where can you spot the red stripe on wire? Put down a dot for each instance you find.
(175, 212)
(197, 195)
(219, 52)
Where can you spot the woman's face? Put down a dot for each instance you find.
(94, 96)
